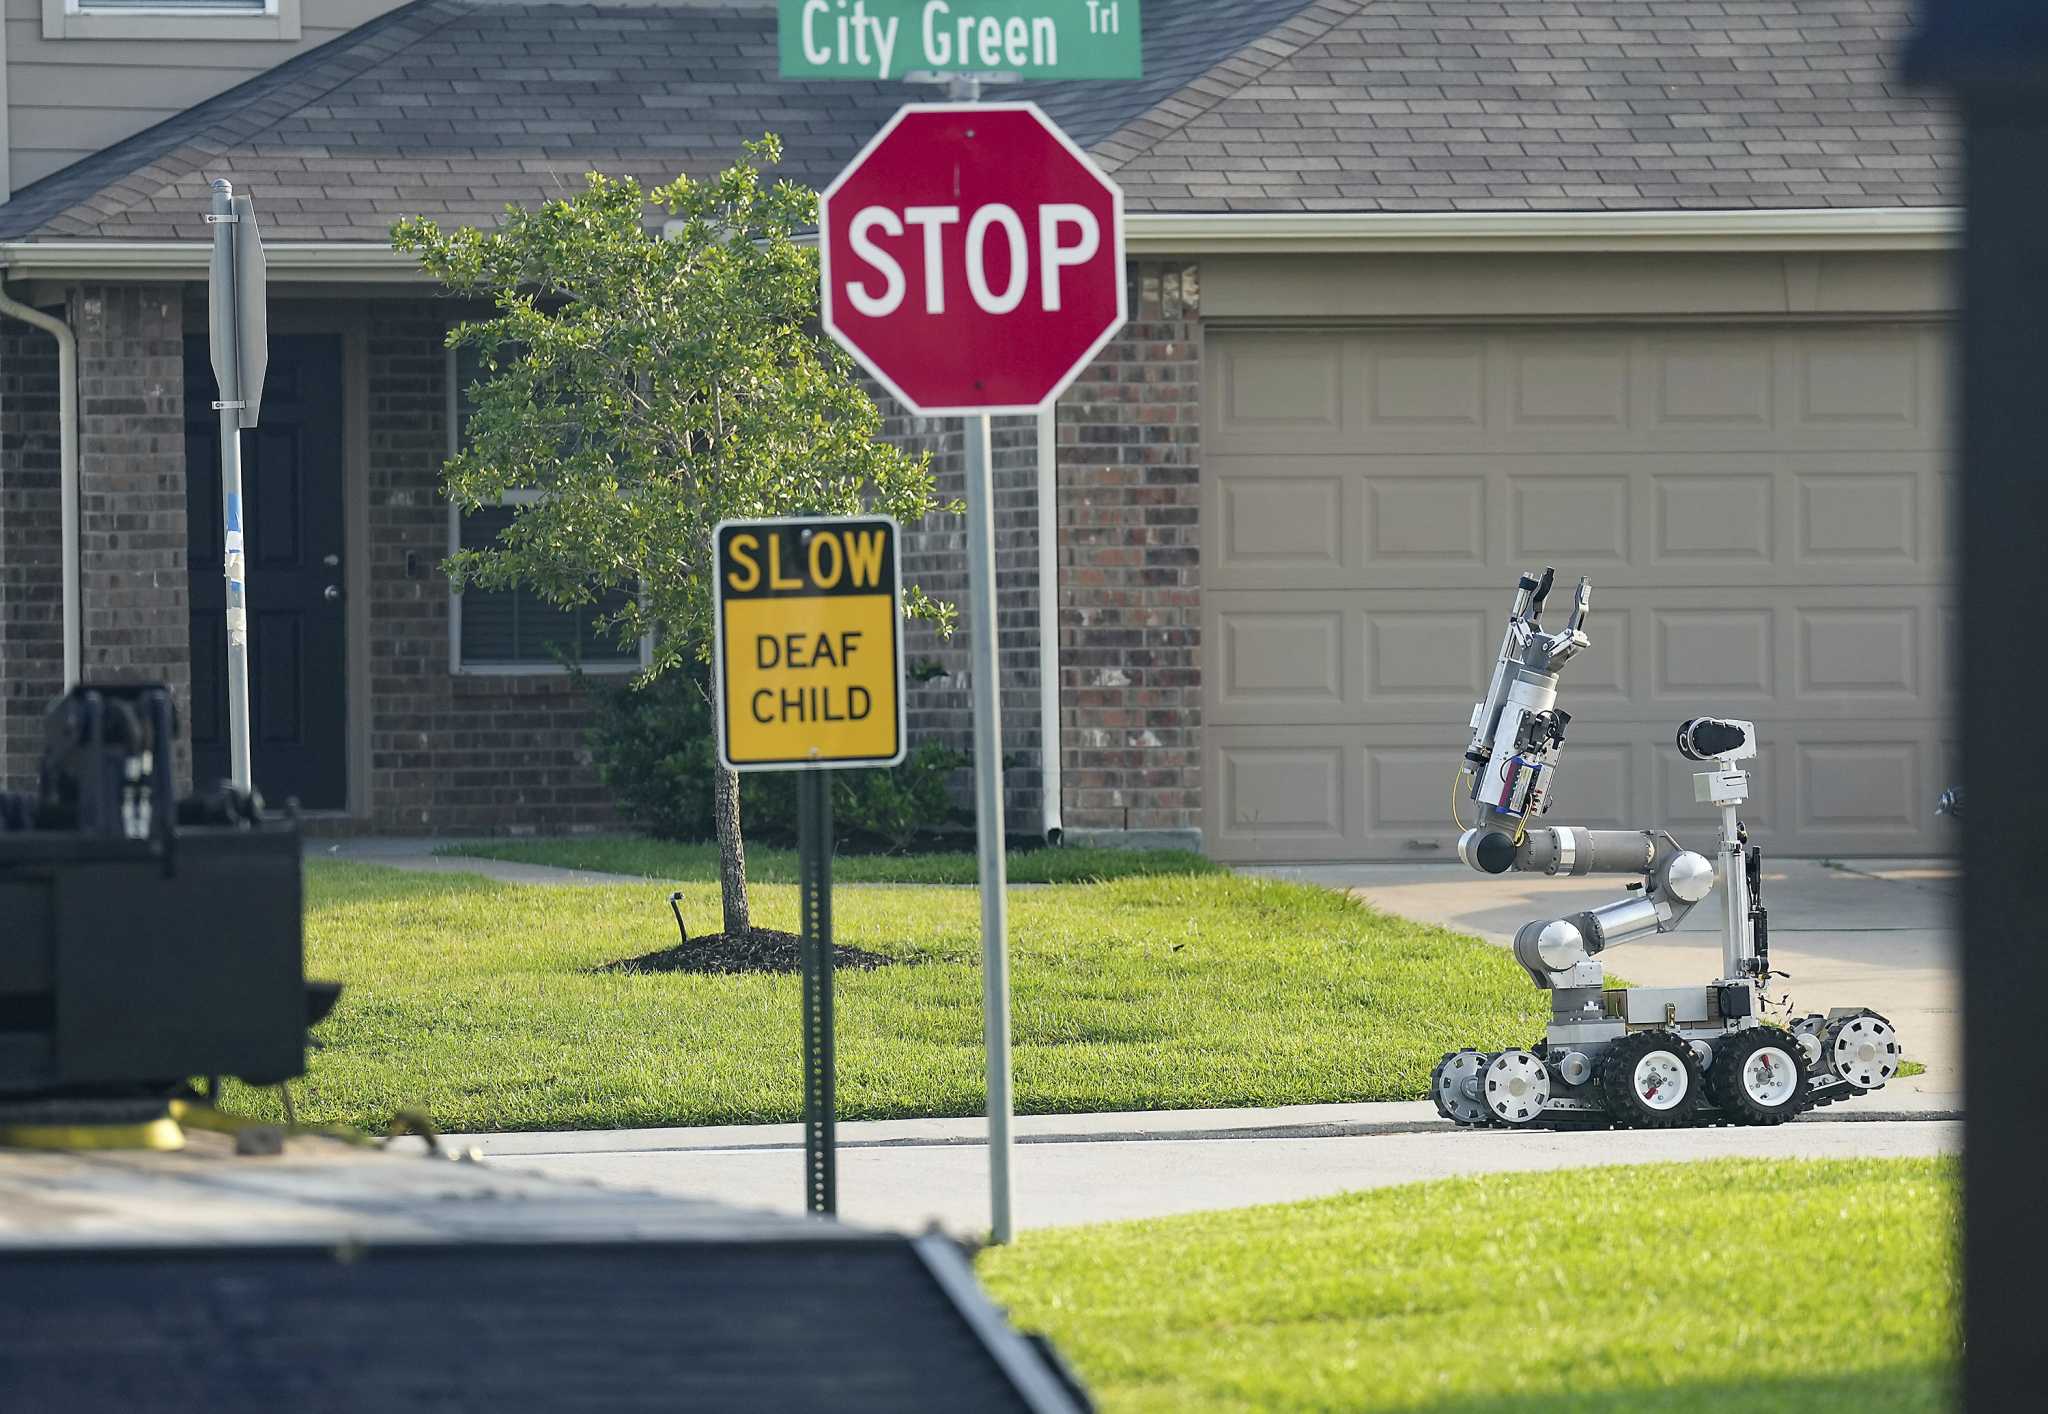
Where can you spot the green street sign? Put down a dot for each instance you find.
(887, 39)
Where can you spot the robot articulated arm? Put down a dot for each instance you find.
(1517, 733)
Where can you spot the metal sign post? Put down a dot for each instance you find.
(814, 874)
(808, 662)
(972, 259)
(990, 843)
(237, 328)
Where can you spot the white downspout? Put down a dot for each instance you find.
(67, 469)
(1049, 626)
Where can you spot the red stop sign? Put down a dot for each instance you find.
(973, 258)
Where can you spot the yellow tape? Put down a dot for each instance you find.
(161, 1134)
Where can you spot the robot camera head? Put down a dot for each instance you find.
(1717, 739)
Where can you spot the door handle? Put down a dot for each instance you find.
(332, 593)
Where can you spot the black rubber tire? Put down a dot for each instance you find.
(1617, 1081)
(1724, 1078)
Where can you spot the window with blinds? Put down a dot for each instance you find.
(516, 629)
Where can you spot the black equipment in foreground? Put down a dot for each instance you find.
(144, 940)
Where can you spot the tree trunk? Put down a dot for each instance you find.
(732, 852)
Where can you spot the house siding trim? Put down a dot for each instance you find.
(1169, 234)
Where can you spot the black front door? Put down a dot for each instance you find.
(292, 518)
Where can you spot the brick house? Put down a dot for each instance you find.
(1421, 293)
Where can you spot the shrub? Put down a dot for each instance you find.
(655, 748)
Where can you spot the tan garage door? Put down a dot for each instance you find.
(1762, 510)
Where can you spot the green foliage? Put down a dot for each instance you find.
(655, 747)
(479, 1003)
(650, 384)
(886, 808)
(1768, 1286)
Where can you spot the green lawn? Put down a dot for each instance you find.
(476, 1002)
(667, 859)
(1740, 1285)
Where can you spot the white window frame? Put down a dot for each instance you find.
(82, 19)
(544, 667)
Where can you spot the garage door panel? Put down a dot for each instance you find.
(1310, 794)
(1675, 520)
(1712, 520)
(1284, 793)
(1423, 386)
(1710, 383)
(1725, 654)
(1284, 529)
(1865, 378)
(1658, 656)
(1266, 385)
(1859, 519)
(1427, 660)
(1431, 521)
(1878, 789)
(1566, 519)
(1291, 658)
(1575, 386)
(1849, 657)
(1761, 510)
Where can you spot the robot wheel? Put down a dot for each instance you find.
(1863, 1049)
(1514, 1087)
(1650, 1080)
(1759, 1076)
(1454, 1085)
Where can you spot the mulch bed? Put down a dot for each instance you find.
(759, 950)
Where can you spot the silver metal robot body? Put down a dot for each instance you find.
(1640, 1057)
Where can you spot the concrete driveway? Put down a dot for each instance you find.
(1875, 933)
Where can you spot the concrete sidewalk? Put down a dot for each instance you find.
(416, 853)
(1875, 933)
(1073, 1169)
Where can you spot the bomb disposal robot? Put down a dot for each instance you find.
(1643, 1057)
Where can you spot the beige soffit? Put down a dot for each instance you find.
(1172, 233)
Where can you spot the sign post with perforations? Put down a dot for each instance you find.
(807, 641)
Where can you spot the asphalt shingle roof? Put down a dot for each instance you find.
(1395, 105)
(453, 108)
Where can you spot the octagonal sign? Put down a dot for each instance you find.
(972, 258)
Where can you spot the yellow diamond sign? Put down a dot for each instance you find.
(809, 643)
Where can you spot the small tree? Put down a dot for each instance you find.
(649, 385)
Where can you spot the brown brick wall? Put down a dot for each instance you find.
(935, 560)
(131, 491)
(1129, 439)
(449, 754)
(1130, 592)
(31, 561)
(477, 754)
